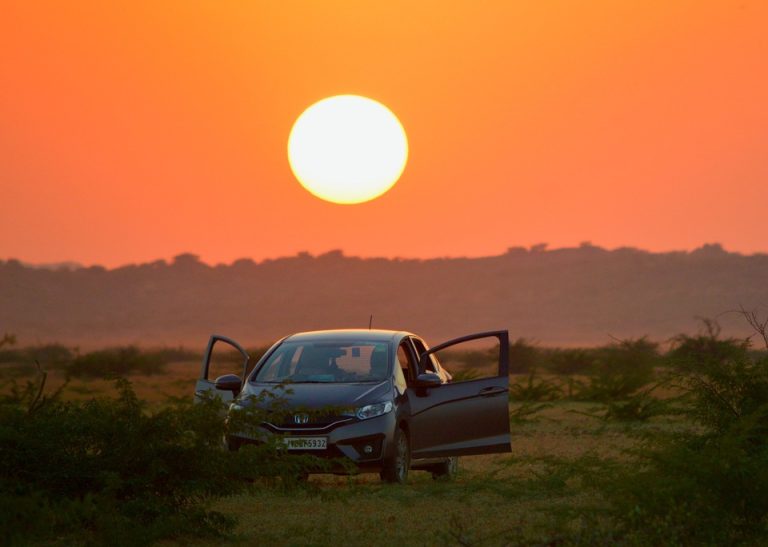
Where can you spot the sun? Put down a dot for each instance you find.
(347, 149)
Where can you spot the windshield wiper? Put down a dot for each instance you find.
(288, 382)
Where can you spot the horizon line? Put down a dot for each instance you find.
(539, 248)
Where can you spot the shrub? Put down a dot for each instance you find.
(639, 407)
(169, 355)
(465, 374)
(534, 389)
(51, 354)
(707, 486)
(569, 361)
(726, 379)
(620, 371)
(113, 362)
(471, 359)
(523, 356)
(104, 471)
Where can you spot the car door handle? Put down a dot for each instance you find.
(492, 390)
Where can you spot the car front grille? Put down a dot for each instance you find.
(304, 423)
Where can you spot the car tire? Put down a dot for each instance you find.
(446, 470)
(396, 469)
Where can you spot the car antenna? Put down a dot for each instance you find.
(370, 322)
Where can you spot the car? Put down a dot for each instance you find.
(396, 408)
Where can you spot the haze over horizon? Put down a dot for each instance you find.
(572, 296)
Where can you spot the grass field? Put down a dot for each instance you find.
(527, 497)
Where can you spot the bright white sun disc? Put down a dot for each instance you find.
(347, 149)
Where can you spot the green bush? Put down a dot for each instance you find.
(569, 361)
(113, 362)
(620, 371)
(464, 375)
(638, 407)
(524, 357)
(105, 471)
(170, 355)
(471, 359)
(706, 486)
(534, 389)
(51, 354)
(725, 377)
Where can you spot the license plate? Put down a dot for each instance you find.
(305, 443)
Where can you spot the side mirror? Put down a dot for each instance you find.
(428, 379)
(229, 382)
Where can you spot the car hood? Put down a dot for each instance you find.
(320, 395)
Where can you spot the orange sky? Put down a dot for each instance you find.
(138, 132)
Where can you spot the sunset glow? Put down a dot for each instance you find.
(135, 131)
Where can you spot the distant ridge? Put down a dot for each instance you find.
(54, 266)
(569, 296)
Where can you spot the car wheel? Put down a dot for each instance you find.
(396, 469)
(447, 469)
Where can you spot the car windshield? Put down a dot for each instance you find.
(326, 362)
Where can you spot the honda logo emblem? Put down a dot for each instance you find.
(301, 418)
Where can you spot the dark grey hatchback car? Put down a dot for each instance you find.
(402, 409)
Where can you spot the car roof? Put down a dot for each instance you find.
(369, 335)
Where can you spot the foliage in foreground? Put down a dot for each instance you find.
(105, 471)
(707, 486)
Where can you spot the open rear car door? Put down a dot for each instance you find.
(462, 417)
(206, 386)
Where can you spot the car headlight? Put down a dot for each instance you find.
(371, 411)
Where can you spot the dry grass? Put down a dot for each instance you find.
(177, 380)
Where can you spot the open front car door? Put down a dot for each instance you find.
(225, 363)
(460, 417)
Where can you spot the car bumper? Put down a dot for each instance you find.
(366, 443)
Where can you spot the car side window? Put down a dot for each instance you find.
(431, 365)
(224, 359)
(406, 360)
